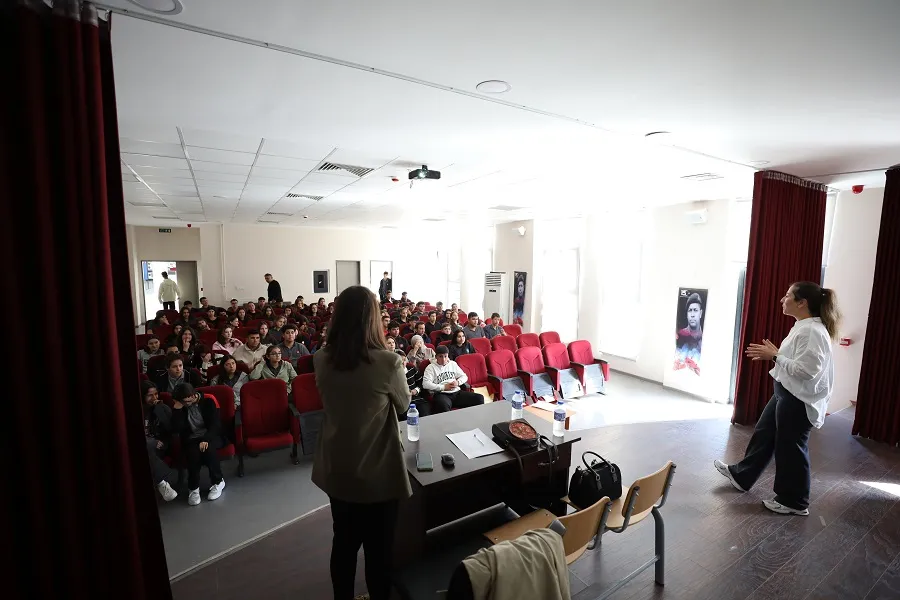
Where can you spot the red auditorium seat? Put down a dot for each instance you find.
(445, 343)
(208, 338)
(563, 376)
(475, 368)
(156, 365)
(434, 336)
(163, 331)
(527, 340)
(533, 372)
(304, 365)
(172, 315)
(423, 318)
(513, 329)
(503, 374)
(504, 342)
(308, 402)
(593, 372)
(241, 333)
(408, 336)
(254, 324)
(140, 340)
(482, 345)
(263, 423)
(224, 397)
(549, 337)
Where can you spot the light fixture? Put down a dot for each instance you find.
(520, 229)
(160, 7)
(493, 86)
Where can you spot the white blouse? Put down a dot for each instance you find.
(804, 367)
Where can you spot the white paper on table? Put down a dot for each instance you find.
(548, 398)
(474, 443)
(544, 405)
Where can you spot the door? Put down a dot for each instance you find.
(188, 282)
(347, 275)
(376, 272)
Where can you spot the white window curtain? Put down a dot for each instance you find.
(559, 293)
(621, 322)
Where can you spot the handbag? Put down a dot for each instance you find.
(598, 479)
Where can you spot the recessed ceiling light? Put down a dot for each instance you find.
(162, 7)
(493, 86)
(655, 133)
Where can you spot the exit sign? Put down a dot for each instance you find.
(165, 231)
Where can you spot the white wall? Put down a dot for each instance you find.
(851, 267)
(514, 252)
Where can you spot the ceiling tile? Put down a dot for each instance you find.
(256, 180)
(148, 133)
(146, 160)
(131, 146)
(284, 162)
(215, 167)
(179, 198)
(216, 139)
(308, 150)
(206, 176)
(161, 172)
(259, 171)
(338, 180)
(220, 156)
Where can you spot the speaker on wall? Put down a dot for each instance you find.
(320, 282)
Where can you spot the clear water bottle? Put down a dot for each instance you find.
(559, 419)
(412, 423)
(518, 402)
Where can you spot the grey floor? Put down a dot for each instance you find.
(274, 492)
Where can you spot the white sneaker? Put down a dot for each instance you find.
(165, 490)
(781, 509)
(216, 490)
(194, 497)
(725, 471)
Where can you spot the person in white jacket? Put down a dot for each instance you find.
(804, 380)
(445, 379)
(169, 292)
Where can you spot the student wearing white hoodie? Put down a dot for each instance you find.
(445, 379)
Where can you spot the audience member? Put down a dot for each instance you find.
(403, 317)
(288, 313)
(446, 332)
(267, 337)
(272, 367)
(432, 323)
(204, 305)
(321, 304)
(290, 348)
(384, 287)
(385, 322)
(454, 306)
(234, 322)
(196, 419)
(268, 314)
(419, 310)
(404, 297)
(175, 374)
(230, 375)
(158, 434)
(445, 379)
(418, 350)
(185, 317)
(172, 347)
(394, 330)
(314, 311)
(274, 289)
(234, 307)
(202, 361)
(252, 312)
(447, 313)
(151, 349)
(439, 307)
(460, 345)
(390, 342)
(242, 315)
(419, 329)
(389, 299)
(321, 337)
(472, 328)
(454, 321)
(495, 328)
(251, 351)
(211, 317)
(261, 303)
(187, 343)
(176, 330)
(202, 325)
(226, 341)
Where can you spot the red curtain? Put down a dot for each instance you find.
(787, 229)
(878, 397)
(81, 515)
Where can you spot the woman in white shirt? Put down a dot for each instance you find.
(804, 379)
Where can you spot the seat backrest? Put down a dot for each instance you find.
(422, 365)
(305, 393)
(652, 487)
(172, 315)
(474, 367)
(423, 318)
(241, 333)
(434, 336)
(549, 337)
(304, 365)
(580, 351)
(208, 338)
(482, 345)
(140, 340)
(255, 323)
(504, 342)
(163, 331)
(526, 340)
(556, 356)
(513, 329)
(408, 336)
(264, 407)
(445, 343)
(502, 364)
(529, 359)
(156, 365)
(224, 396)
(581, 527)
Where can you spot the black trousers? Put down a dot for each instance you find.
(422, 406)
(158, 468)
(196, 459)
(441, 402)
(168, 306)
(782, 431)
(372, 527)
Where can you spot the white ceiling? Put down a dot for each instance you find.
(219, 130)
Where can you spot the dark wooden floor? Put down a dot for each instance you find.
(721, 545)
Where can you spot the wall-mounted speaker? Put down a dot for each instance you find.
(320, 282)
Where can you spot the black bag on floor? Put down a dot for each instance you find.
(598, 479)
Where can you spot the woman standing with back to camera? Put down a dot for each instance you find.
(359, 459)
(804, 379)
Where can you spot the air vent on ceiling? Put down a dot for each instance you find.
(328, 167)
(505, 207)
(702, 177)
(168, 218)
(279, 214)
(313, 198)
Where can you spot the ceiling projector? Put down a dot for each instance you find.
(424, 173)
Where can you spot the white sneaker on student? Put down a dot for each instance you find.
(216, 490)
(781, 509)
(165, 490)
(725, 471)
(194, 497)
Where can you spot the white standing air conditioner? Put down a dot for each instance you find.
(497, 298)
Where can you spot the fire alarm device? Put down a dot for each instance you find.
(846, 341)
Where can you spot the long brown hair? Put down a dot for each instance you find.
(355, 329)
(821, 302)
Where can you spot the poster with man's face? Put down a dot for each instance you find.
(689, 329)
(519, 278)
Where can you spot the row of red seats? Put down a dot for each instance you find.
(506, 342)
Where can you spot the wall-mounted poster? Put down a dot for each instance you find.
(519, 279)
(689, 330)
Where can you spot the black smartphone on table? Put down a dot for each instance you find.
(424, 462)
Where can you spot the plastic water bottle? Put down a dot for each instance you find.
(559, 419)
(517, 401)
(412, 423)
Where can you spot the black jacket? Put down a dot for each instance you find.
(211, 420)
(402, 343)
(384, 287)
(274, 291)
(429, 327)
(190, 376)
(457, 351)
(158, 422)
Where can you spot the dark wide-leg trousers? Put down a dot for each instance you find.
(372, 527)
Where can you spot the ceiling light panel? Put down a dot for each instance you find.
(284, 162)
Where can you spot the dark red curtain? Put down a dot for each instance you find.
(81, 513)
(878, 397)
(787, 230)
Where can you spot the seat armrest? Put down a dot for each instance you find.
(238, 428)
(577, 364)
(295, 412)
(237, 417)
(494, 379)
(553, 372)
(524, 374)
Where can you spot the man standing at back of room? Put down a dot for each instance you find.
(274, 290)
(169, 292)
(385, 286)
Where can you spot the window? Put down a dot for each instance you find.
(559, 293)
(621, 323)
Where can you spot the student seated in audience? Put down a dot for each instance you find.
(185, 317)
(202, 325)
(202, 360)
(419, 329)
(390, 342)
(151, 349)
(242, 315)
(261, 303)
(280, 322)
(404, 297)
(226, 342)
(230, 375)
(196, 420)
(288, 314)
(413, 381)
(432, 323)
(454, 321)
(233, 308)
(439, 307)
(234, 322)
(394, 330)
(305, 335)
(494, 328)
(454, 306)
(222, 317)
(403, 317)
(268, 314)
(251, 351)
(418, 350)
(446, 317)
(290, 348)
(272, 367)
(187, 343)
(460, 345)
(472, 328)
(389, 298)
(419, 310)
(176, 373)
(321, 304)
(158, 435)
(446, 332)
(205, 305)
(314, 311)
(386, 323)
(268, 337)
(176, 330)
(252, 312)
(171, 346)
(321, 338)
(445, 379)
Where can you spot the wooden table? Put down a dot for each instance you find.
(445, 495)
(548, 416)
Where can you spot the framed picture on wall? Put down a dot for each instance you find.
(320, 282)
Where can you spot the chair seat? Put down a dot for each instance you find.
(616, 519)
(514, 529)
(268, 441)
